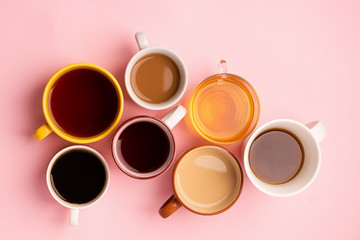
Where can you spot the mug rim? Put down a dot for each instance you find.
(119, 161)
(250, 173)
(183, 77)
(46, 107)
(76, 205)
(256, 111)
(208, 146)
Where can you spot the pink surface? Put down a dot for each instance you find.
(302, 57)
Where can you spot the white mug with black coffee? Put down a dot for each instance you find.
(77, 177)
(282, 157)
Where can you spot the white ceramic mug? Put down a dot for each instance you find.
(166, 124)
(310, 136)
(145, 50)
(74, 208)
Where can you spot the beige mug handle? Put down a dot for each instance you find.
(169, 207)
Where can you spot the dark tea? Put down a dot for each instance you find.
(78, 176)
(143, 146)
(83, 102)
(276, 156)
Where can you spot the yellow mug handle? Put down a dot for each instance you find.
(42, 132)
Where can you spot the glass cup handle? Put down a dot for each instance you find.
(222, 67)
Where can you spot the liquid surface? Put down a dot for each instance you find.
(83, 103)
(276, 156)
(78, 176)
(144, 147)
(155, 78)
(223, 110)
(208, 179)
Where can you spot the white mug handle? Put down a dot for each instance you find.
(141, 40)
(174, 116)
(74, 216)
(318, 130)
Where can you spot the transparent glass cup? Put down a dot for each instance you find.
(224, 108)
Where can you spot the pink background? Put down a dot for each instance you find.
(302, 57)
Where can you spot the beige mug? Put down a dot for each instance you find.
(207, 180)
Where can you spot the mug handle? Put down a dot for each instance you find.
(318, 130)
(174, 116)
(141, 40)
(74, 216)
(42, 132)
(169, 207)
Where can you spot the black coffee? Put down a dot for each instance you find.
(83, 102)
(144, 146)
(276, 156)
(78, 176)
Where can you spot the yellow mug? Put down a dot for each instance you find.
(82, 103)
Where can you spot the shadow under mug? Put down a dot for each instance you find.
(145, 50)
(309, 135)
(74, 207)
(52, 126)
(164, 125)
(207, 180)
